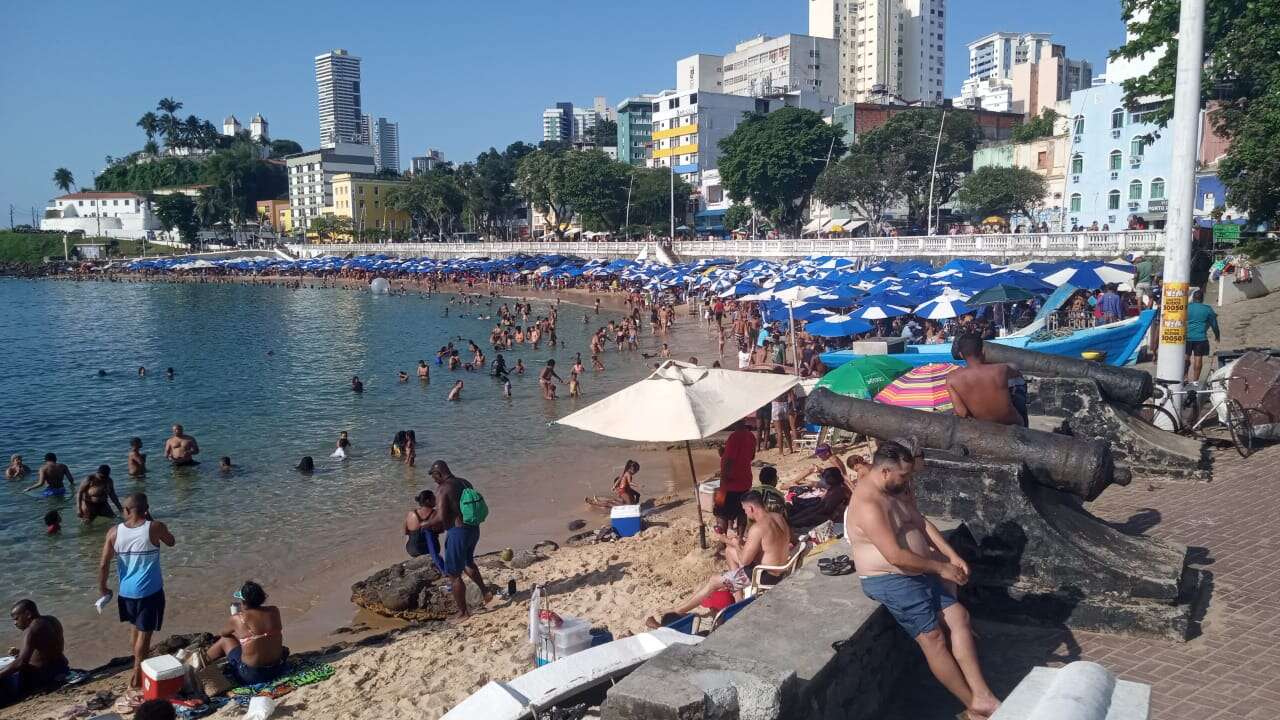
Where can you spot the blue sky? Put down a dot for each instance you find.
(459, 76)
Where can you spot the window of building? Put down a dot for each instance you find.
(1137, 148)
(1115, 160)
(1117, 118)
(1077, 164)
(1075, 202)
(1135, 190)
(1157, 189)
(1042, 160)
(1079, 126)
(1113, 200)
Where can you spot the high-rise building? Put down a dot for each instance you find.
(557, 123)
(635, 129)
(311, 178)
(890, 50)
(568, 124)
(338, 88)
(386, 145)
(426, 163)
(1020, 72)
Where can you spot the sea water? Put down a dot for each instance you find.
(262, 375)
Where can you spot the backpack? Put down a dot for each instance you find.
(473, 507)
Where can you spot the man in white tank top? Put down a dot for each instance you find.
(135, 545)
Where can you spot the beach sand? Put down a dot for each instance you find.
(424, 670)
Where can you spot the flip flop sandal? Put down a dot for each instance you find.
(835, 566)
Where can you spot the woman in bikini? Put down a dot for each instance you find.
(622, 484)
(253, 642)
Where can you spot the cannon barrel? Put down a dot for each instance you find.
(1118, 384)
(1081, 467)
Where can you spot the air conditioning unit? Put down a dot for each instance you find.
(1115, 175)
(1133, 205)
(1115, 134)
(1136, 162)
(1075, 178)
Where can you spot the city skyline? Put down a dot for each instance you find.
(275, 74)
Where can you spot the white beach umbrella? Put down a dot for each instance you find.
(680, 402)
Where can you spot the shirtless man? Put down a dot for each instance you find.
(51, 476)
(96, 495)
(424, 373)
(905, 564)
(137, 458)
(544, 379)
(181, 449)
(767, 542)
(455, 395)
(460, 539)
(981, 390)
(40, 663)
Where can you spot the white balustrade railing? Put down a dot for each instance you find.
(1096, 244)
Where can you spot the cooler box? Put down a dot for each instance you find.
(162, 677)
(573, 636)
(626, 519)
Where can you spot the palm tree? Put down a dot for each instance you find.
(150, 124)
(63, 178)
(171, 127)
(151, 148)
(168, 106)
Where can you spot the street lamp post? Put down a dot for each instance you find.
(933, 175)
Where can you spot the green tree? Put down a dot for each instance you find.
(738, 216)
(540, 180)
(913, 137)
(178, 212)
(596, 188)
(651, 195)
(63, 179)
(867, 181)
(150, 124)
(1241, 76)
(1037, 127)
(281, 147)
(432, 199)
(605, 133)
(151, 148)
(1002, 191)
(332, 227)
(774, 160)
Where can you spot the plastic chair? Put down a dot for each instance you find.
(727, 614)
(811, 437)
(758, 583)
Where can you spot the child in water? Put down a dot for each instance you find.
(573, 383)
(519, 366)
(52, 523)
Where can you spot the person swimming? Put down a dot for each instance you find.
(17, 469)
(455, 394)
(168, 373)
(402, 376)
(306, 465)
(225, 466)
(142, 371)
(424, 373)
(356, 384)
(137, 458)
(397, 443)
(52, 523)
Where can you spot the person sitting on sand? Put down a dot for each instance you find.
(830, 506)
(253, 641)
(96, 495)
(306, 465)
(767, 542)
(623, 484)
(53, 477)
(455, 395)
(181, 449)
(774, 500)
(422, 528)
(17, 469)
(39, 664)
(137, 459)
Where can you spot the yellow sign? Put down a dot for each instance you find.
(1173, 313)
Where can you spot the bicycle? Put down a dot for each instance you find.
(1237, 421)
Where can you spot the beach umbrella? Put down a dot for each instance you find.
(942, 308)
(1081, 277)
(680, 402)
(922, 388)
(878, 311)
(863, 377)
(1001, 294)
(837, 326)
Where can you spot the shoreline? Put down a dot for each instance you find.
(316, 618)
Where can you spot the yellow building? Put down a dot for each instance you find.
(277, 215)
(363, 199)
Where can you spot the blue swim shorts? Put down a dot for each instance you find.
(460, 549)
(54, 492)
(915, 601)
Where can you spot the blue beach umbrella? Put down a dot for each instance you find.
(878, 311)
(837, 326)
(942, 308)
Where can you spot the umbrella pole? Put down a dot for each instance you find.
(697, 497)
(795, 352)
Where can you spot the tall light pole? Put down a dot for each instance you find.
(934, 174)
(626, 226)
(1171, 361)
(673, 200)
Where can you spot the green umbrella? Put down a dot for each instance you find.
(864, 377)
(1001, 294)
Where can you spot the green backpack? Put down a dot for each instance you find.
(473, 507)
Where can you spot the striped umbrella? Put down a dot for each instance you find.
(879, 312)
(923, 388)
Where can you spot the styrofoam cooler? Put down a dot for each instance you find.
(625, 519)
(162, 677)
(573, 635)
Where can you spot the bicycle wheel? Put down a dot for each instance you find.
(1241, 428)
(1156, 417)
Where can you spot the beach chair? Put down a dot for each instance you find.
(757, 574)
(727, 614)
(811, 437)
(684, 624)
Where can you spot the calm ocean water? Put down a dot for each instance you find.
(266, 411)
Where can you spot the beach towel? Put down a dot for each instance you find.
(300, 674)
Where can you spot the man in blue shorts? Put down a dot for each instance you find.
(905, 564)
(460, 539)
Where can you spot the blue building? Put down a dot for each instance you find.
(1118, 166)
(635, 130)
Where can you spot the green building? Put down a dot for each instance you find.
(635, 129)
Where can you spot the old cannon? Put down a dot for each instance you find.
(1126, 386)
(1035, 551)
(1080, 467)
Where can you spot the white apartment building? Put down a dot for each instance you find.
(687, 128)
(889, 50)
(338, 86)
(766, 66)
(386, 145)
(107, 214)
(426, 163)
(311, 177)
(1020, 72)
